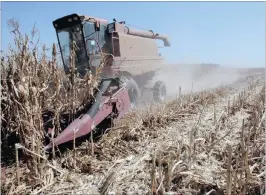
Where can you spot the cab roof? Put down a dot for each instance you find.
(92, 19)
(82, 18)
(74, 19)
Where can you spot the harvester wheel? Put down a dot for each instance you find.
(159, 91)
(133, 90)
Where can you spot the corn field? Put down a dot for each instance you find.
(210, 142)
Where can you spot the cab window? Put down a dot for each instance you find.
(102, 35)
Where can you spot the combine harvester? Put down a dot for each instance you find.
(131, 59)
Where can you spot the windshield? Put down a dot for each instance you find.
(65, 37)
(90, 37)
(95, 41)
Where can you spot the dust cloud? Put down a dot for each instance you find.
(191, 78)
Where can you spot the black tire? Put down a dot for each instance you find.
(159, 91)
(133, 90)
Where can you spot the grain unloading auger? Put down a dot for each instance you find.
(133, 60)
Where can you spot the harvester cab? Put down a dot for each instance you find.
(129, 59)
(85, 36)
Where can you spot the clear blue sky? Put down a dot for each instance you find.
(227, 33)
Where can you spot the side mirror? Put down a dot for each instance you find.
(97, 26)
